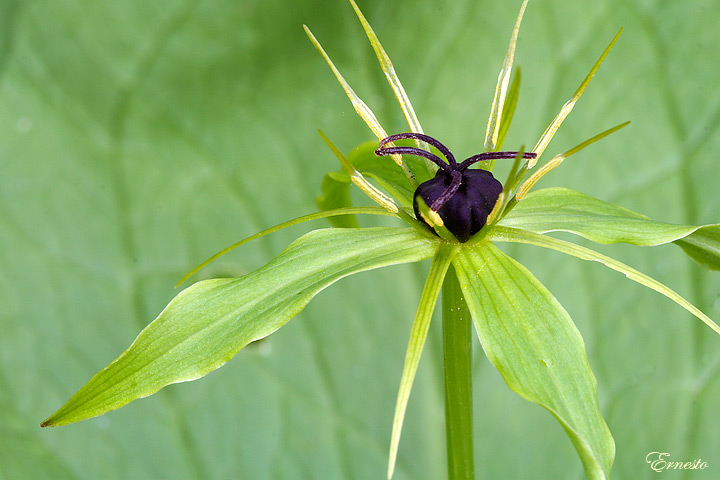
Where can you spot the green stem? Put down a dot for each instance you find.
(457, 352)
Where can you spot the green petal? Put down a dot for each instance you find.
(535, 346)
(397, 88)
(338, 212)
(508, 111)
(359, 179)
(208, 323)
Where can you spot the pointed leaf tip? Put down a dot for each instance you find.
(549, 132)
(517, 235)
(540, 353)
(206, 324)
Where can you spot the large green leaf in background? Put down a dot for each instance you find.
(137, 139)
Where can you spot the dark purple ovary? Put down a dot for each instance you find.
(466, 212)
(462, 197)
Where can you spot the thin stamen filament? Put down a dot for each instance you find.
(426, 138)
(413, 151)
(481, 157)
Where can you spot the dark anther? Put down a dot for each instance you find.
(462, 197)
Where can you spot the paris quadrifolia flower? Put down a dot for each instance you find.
(452, 212)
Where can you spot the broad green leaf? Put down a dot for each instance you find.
(562, 209)
(506, 234)
(535, 346)
(209, 322)
(703, 246)
(335, 193)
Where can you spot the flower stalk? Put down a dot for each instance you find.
(457, 356)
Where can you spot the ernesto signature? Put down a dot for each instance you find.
(660, 461)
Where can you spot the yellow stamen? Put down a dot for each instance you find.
(497, 209)
(567, 108)
(358, 179)
(544, 170)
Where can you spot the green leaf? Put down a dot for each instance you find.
(535, 346)
(209, 322)
(507, 234)
(561, 209)
(703, 246)
(335, 193)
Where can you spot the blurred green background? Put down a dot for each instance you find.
(138, 138)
